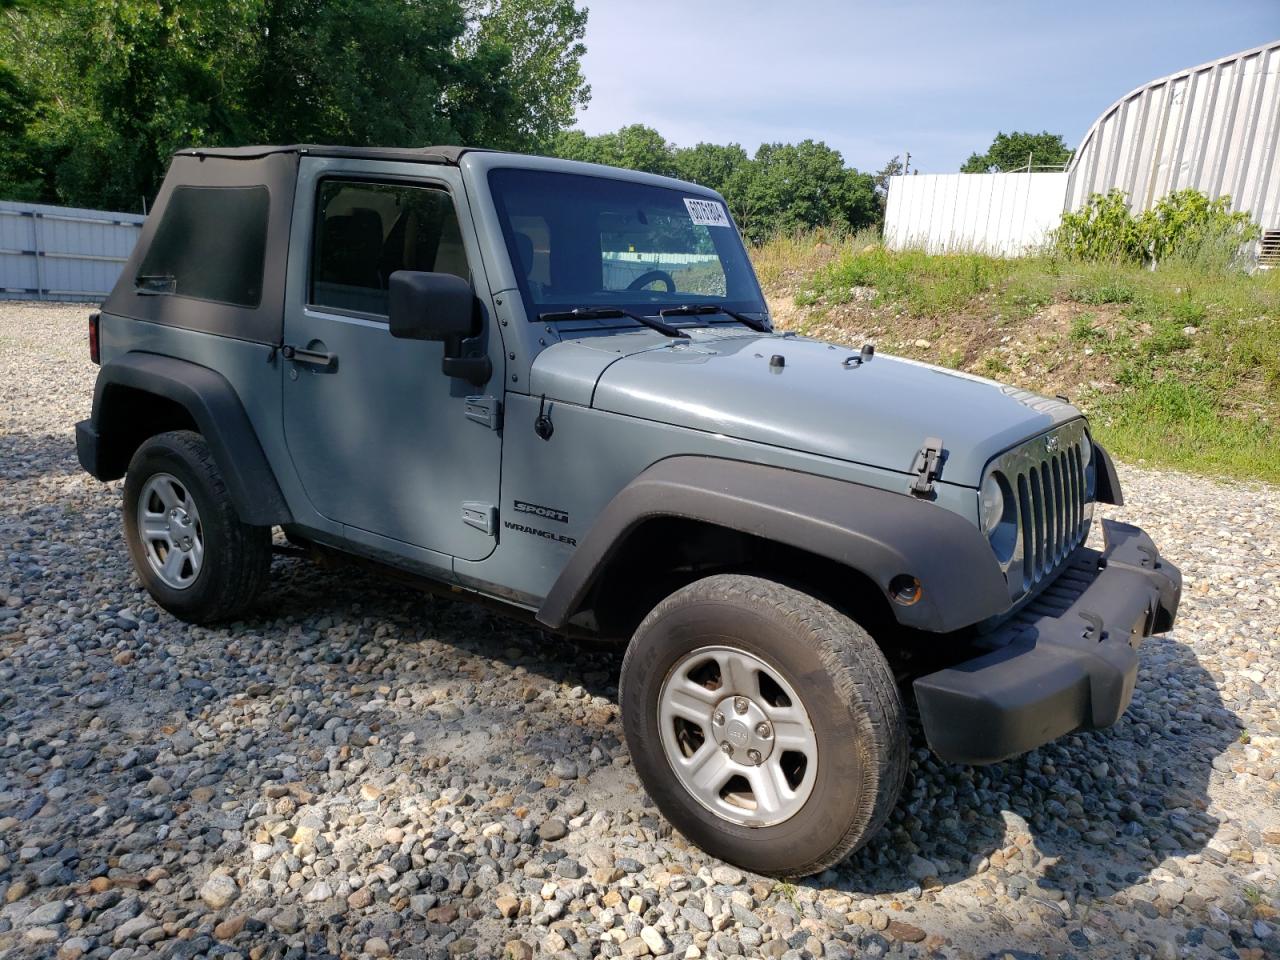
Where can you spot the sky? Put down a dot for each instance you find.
(875, 79)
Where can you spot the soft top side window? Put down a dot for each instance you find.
(210, 244)
(365, 231)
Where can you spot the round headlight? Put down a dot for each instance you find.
(990, 504)
(1086, 452)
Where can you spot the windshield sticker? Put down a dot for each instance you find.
(709, 213)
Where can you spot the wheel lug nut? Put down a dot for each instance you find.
(763, 731)
(727, 748)
(740, 704)
(754, 756)
(719, 719)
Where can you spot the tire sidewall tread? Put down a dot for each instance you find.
(237, 556)
(847, 688)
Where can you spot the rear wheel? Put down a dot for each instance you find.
(188, 544)
(765, 724)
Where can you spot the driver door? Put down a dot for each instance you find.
(382, 440)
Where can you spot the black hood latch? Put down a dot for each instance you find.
(927, 467)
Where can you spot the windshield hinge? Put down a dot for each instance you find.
(927, 467)
(484, 410)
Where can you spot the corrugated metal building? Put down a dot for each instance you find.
(1214, 128)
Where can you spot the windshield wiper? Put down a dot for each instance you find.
(701, 309)
(604, 313)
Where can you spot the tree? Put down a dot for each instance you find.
(541, 41)
(123, 83)
(19, 177)
(1013, 151)
(711, 164)
(892, 168)
(635, 147)
(725, 168)
(797, 186)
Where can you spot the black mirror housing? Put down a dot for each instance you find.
(430, 306)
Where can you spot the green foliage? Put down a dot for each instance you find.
(1178, 367)
(1105, 287)
(113, 87)
(19, 176)
(1083, 329)
(1013, 151)
(635, 147)
(928, 286)
(540, 43)
(795, 186)
(1103, 229)
(783, 188)
(1184, 226)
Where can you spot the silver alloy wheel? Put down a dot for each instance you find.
(170, 530)
(737, 736)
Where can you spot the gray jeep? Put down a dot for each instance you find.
(556, 386)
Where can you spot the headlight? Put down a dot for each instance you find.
(1086, 452)
(990, 504)
(998, 515)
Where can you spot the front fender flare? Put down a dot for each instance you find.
(213, 405)
(876, 532)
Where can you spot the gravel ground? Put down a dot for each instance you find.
(361, 770)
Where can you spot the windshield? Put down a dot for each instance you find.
(582, 242)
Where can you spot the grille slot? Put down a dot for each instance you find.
(1048, 479)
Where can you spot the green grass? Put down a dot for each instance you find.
(1178, 366)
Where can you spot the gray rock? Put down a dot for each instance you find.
(133, 929)
(219, 891)
(47, 915)
(287, 921)
(553, 829)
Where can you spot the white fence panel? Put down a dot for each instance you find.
(62, 253)
(1003, 214)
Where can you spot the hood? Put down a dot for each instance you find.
(877, 413)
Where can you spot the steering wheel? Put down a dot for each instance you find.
(649, 276)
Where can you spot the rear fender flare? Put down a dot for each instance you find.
(214, 407)
(876, 532)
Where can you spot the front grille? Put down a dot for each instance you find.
(1049, 478)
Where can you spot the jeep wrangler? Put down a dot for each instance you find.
(556, 386)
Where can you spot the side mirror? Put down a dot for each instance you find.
(431, 306)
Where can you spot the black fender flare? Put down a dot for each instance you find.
(104, 441)
(879, 533)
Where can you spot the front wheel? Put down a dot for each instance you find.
(765, 724)
(189, 547)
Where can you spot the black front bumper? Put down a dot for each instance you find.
(1068, 661)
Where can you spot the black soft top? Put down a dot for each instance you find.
(270, 169)
(448, 155)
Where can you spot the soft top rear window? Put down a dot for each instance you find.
(210, 244)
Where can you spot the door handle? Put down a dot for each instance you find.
(314, 357)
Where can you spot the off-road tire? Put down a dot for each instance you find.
(846, 687)
(237, 556)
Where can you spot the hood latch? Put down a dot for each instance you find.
(927, 467)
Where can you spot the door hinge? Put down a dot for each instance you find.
(485, 410)
(482, 516)
(927, 467)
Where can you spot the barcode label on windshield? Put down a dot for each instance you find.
(709, 213)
